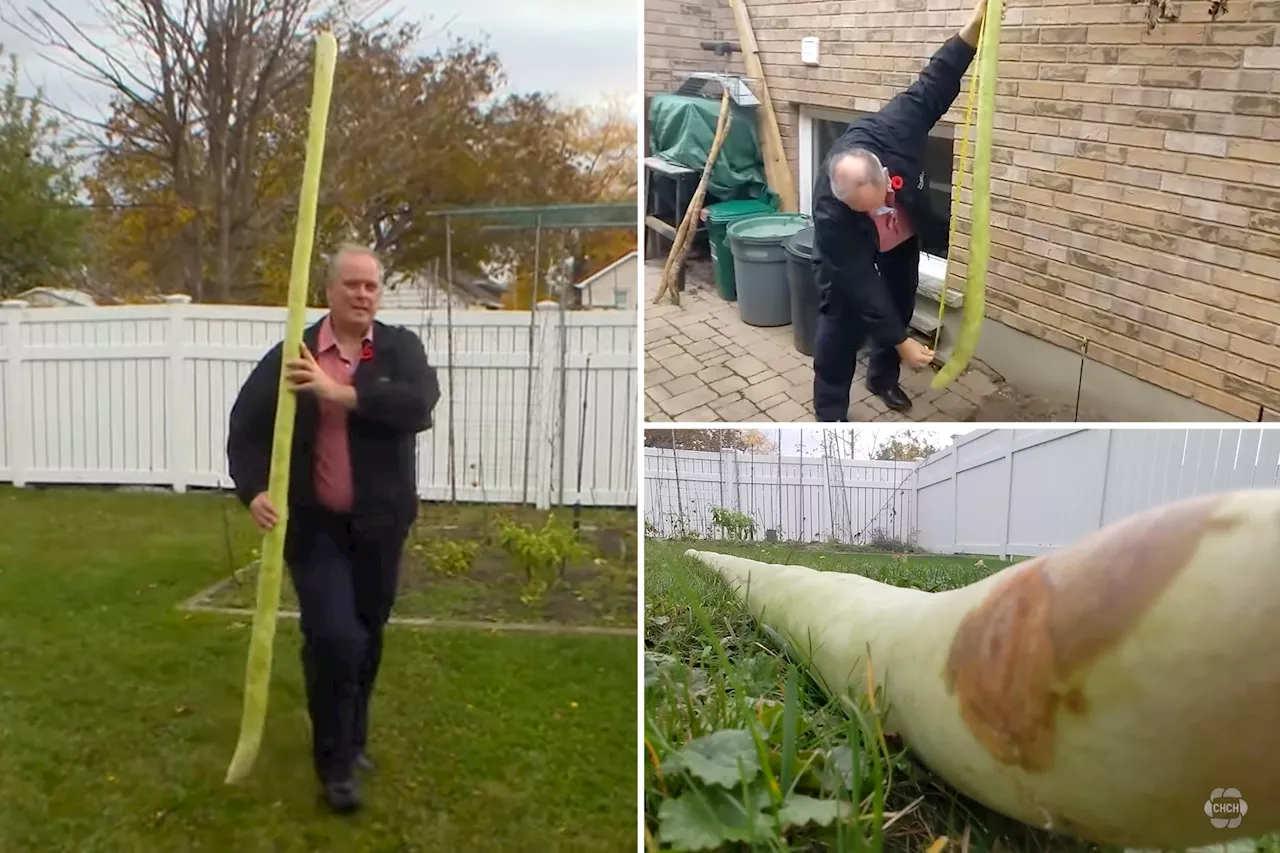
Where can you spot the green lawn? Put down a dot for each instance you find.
(119, 712)
(712, 677)
(600, 588)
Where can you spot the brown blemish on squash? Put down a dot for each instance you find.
(1015, 654)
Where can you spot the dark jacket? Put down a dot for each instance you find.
(396, 392)
(845, 241)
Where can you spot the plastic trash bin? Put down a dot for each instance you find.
(804, 290)
(719, 217)
(760, 266)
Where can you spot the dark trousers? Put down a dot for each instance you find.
(841, 336)
(346, 584)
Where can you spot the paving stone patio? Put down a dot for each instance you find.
(703, 364)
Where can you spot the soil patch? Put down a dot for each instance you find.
(1010, 405)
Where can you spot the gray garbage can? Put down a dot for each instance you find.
(760, 266)
(804, 290)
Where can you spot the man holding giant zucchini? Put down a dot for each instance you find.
(364, 391)
(870, 210)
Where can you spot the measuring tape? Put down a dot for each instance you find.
(982, 91)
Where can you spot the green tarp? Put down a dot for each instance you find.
(681, 130)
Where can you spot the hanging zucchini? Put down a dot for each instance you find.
(984, 77)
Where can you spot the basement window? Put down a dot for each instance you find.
(819, 130)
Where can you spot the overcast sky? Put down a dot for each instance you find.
(866, 437)
(580, 50)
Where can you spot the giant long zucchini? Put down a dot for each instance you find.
(258, 670)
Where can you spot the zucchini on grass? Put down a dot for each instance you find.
(1104, 690)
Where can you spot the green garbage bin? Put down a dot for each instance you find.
(719, 217)
(760, 266)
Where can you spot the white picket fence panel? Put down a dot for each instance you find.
(1027, 491)
(805, 499)
(996, 492)
(141, 395)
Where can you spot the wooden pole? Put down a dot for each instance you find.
(776, 170)
(689, 225)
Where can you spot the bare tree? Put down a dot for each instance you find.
(841, 443)
(205, 74)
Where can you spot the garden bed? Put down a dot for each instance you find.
(455, 567)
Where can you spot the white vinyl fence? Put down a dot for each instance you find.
(806, 498)
(1001, 492)
(141, 395)
(1027, 491)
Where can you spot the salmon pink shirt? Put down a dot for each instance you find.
(333, 481)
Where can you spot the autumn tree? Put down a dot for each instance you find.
(709, 440)
(40, 228)
(406, 135)
(905, 446)
(413, 136)
(604, 144)
(201, 161)
(755, 441)
(185, 128)
(141, 229)
(603, 140)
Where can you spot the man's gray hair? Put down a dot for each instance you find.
(346, 249)
(842, 186)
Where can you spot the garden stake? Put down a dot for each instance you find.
(582, 446)
(258, 671)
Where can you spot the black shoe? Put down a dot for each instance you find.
(365, 764)
(343, 797)
(895, 398)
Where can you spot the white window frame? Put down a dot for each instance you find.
(807, 167)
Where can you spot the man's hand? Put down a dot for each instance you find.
(970, 32)
(263, 512)
(914, 354)
(305, 374)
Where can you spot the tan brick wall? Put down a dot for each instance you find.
(1136, 174)
(673, 33)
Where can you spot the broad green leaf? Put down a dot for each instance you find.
(706, 818)
(652, 671)
(726, 758)
(799, 810)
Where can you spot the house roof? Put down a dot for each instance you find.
(64, 295)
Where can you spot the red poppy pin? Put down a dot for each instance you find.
(366, 352)
(896, 183)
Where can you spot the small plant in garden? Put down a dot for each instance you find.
(884, 540)
(541, 552)
(449, 557)
(736, 525)
(679, 526)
